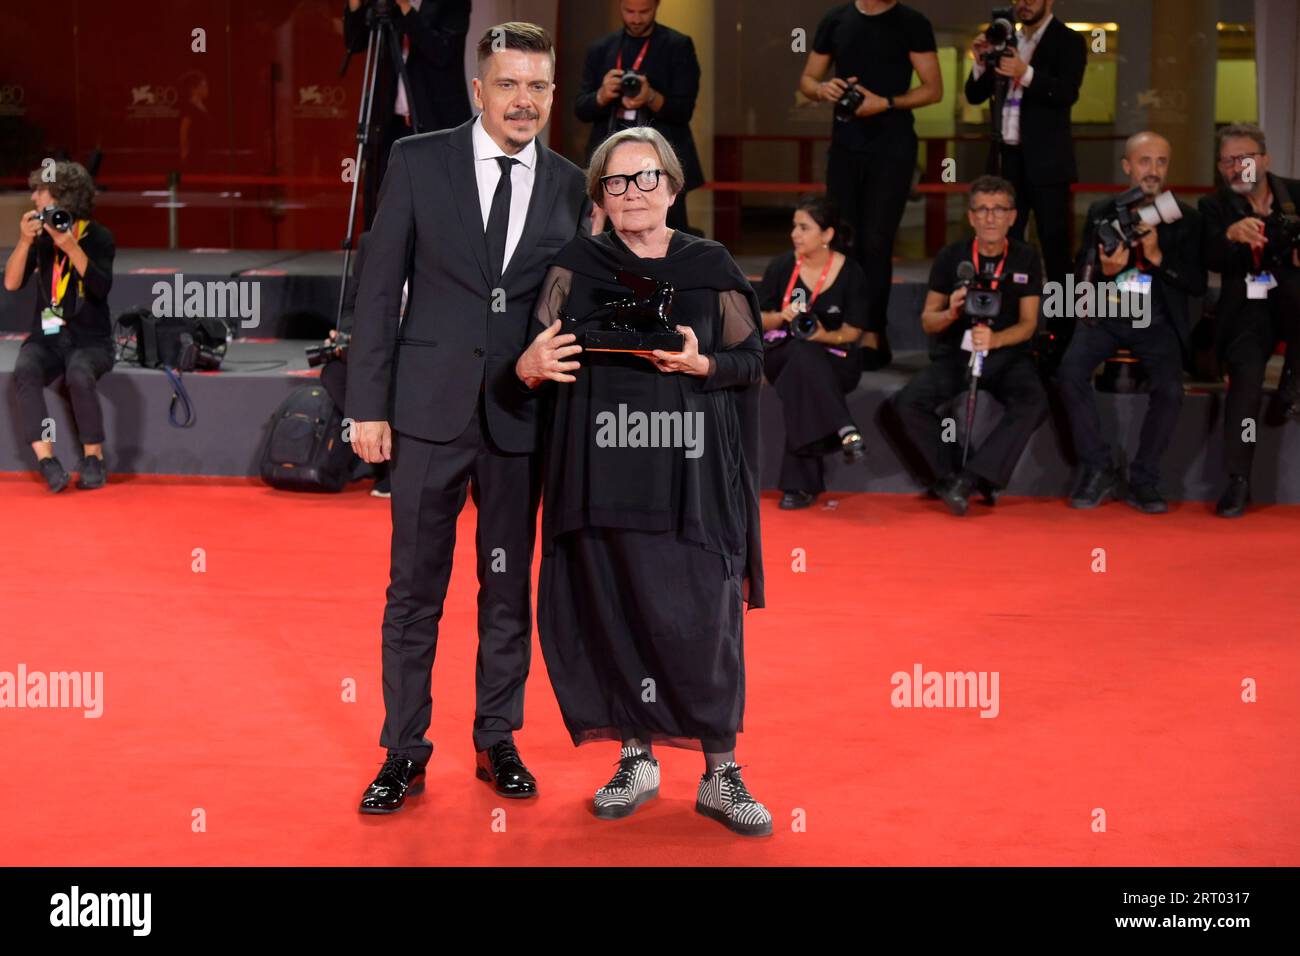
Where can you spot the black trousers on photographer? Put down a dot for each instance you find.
(811, 384)
(1009, 376)
(39, 364)
(871, 189)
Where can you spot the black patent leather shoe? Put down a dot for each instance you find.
(794, 500)
(1235, 500)
(501, 766)
(399, 778)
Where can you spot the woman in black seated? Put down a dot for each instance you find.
(71, 329)
(650, 542)
(812, 371)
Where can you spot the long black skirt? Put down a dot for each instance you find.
(642, 634)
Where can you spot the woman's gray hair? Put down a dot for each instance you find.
(668, 160)
(72, 187)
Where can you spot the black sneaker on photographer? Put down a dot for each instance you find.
(93, 475)
(54, 475)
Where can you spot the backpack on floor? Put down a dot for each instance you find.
(304, 449)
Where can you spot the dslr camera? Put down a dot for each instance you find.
(630, 84)
(983, 301)
(56, 217)
(1133, 220)
(331, 351)
(848, 104)
(1001, 35)
(1282, 232)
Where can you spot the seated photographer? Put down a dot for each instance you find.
(1013, 272)
(71, 329)
(1164, 268)
(814, 302)
(334, 357)
(1250, 238)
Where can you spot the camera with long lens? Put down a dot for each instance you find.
(630, 84)
(332, 351)
(56, 217)
(848, 104)
(1133, 218)
(1282, 233)
(1001, 36)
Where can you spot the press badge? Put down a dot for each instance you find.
(1132, 282)
(1257, 286)
(51, 322)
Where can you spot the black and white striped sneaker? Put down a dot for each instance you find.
(635, 782)
(723, 796)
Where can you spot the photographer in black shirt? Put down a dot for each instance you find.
(873, 47)
(814, 304)
(71, 331)
(1244, 228)
(1160, 275)
(1014, 270)
(646, 74)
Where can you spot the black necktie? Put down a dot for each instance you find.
(499, 219)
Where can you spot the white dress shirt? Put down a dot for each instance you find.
(1011, 108)
(488, 173)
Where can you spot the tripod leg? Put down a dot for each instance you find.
(395, 49)
(365, 110)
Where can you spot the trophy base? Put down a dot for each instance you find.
(641, 343)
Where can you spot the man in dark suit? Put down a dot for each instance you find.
(670, 82)
(1161, 275)
(432, 34)
(1259, 305)
(471, 217)
(1042, 76)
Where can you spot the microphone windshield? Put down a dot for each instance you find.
(965, 271)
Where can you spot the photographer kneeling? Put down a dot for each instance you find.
(72, 331)
(814, 302)
(1012, 270)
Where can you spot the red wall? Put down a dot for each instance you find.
(120, 76)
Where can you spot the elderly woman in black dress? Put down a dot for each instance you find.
(814, 301)
(650, 540)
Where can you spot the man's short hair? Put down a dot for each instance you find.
(515, 35)
(1241, 131)
(992, 184)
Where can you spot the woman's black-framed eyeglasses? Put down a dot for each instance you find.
(647, 181)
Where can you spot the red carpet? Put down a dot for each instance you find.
(222, 691)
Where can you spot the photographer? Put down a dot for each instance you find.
(334, 369)
(646, 74)
(1165, 269)
(1260, 299)
(71, 331)
(1041, 70)
(1011, 269)
(814, 302)
(432, 34)
(873, 46)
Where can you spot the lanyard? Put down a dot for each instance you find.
(794, 277)
(59, 280)
(997, 274)
(636, 64)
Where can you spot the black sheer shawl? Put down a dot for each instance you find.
(600, 471)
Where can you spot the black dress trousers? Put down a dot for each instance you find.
(429, 483)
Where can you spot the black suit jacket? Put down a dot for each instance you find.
(435, 65)
(458, 336)
(1178, 279)
(1233, 260)
(672, 68)
(1059, 62)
